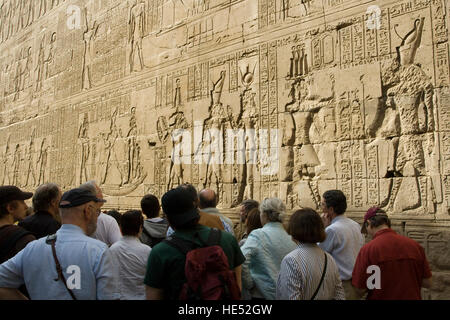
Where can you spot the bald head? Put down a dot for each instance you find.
(207, 198)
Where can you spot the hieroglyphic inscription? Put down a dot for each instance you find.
(262, 11)
(384, 41)
(358, 41)
(346, 45)
(442, 65)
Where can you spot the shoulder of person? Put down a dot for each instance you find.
(103, 217)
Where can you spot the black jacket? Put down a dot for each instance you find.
(40, 224)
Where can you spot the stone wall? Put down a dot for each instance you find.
(253, 98)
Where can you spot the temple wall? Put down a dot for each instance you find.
(252, 98)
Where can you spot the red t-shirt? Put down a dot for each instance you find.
(402, 264)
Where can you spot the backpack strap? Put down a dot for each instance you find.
(179, 244)
(321, 279)
(214, 237)
(185, 246)
(51, 239)
(11, 241)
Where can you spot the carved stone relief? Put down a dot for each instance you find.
(252, 98)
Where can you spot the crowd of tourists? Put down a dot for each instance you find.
(67, 247)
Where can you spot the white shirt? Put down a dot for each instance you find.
(343, 242)
(108, 229)
(130, 259)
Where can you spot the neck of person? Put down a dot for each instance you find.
(6, 220)
(375, 230)
(76, 222)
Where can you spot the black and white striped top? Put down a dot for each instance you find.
(300, 275)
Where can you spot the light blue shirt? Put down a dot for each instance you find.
(343, 242)
(35, 267)
(264, 250)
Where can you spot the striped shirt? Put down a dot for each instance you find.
(300, 274)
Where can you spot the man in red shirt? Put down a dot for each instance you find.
(391, 266)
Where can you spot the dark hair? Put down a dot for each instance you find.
(116, 215)
(43, 195)
(380, 220)
(3, 207)
(253, 220)
(306, 226)
(207, 202)
(190, 189)
(187, 225)
(131, 222)
(249, 204)
(150, 206)
(336, 200)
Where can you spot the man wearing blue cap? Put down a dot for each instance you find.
(67, 265)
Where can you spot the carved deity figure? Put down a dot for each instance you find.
(250, 122)
(411, 90)
(136, 21)
(133, 160)
(89, 54)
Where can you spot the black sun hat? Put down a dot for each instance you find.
(11, 193)
(178, 206)
(76, 197)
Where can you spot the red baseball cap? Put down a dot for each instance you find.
(372, 212)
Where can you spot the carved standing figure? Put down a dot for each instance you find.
(6, 166)
(85, 149)
(42, 162)
(216, 92)
(16, 165)
(29, 165)
(136, 21)
(40, 66)
(88, 56)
